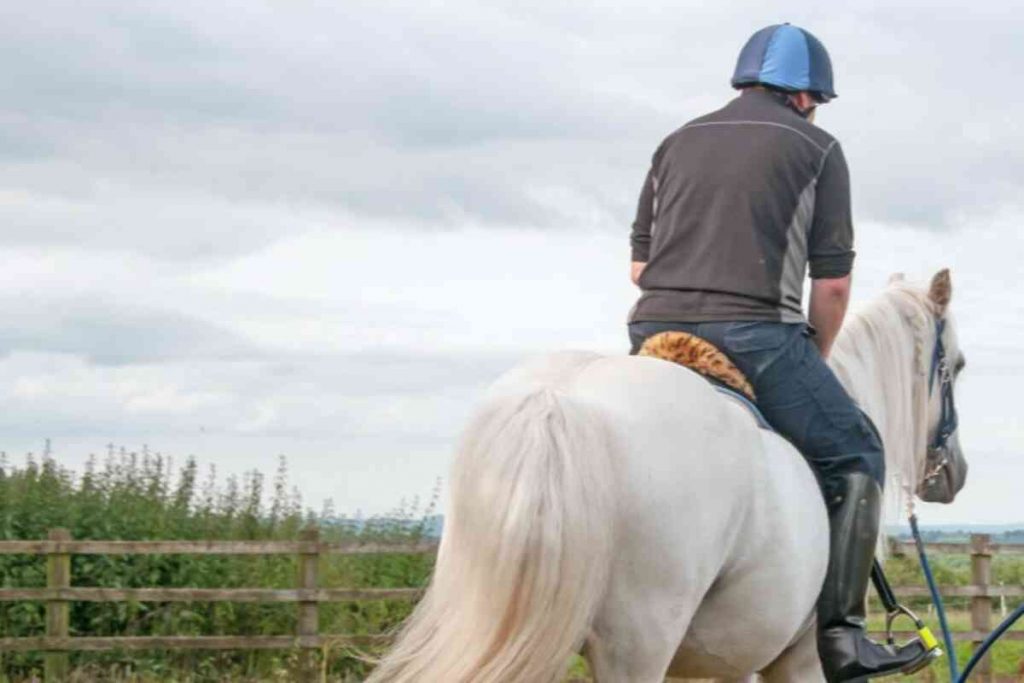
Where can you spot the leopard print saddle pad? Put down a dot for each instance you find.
(698, 355)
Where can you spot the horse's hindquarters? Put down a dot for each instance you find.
(765, 598)
(705, 499)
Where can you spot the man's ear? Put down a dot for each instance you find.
(941, 290)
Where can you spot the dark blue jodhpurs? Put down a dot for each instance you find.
(797, 392)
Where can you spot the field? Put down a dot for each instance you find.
(134, 496)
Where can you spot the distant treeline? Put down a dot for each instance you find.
(947, 535)
(142, 495)
(961, 536)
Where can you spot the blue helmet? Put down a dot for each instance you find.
(788, 58)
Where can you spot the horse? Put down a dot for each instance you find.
(621, 507)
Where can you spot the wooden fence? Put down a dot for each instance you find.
(59, 592)
(59, 547)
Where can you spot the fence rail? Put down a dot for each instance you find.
(307, 594)
(312, 547)
(263, 595)
(58, 593)
(94, 644)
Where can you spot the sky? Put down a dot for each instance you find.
(242, 229)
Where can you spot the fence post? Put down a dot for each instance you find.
(308, 623)
(981, 605)
(58, 575)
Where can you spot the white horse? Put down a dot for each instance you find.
(621, 505)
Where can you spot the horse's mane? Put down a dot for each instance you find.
(882, 358)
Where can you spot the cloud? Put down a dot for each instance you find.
(108, 333)
(194, 131)
(343, 396)
(157, 221)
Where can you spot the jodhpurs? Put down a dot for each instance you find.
(797, 392)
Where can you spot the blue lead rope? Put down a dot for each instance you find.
(954, 675)
(947, 636)
(992, 638)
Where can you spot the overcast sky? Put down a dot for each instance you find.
(238, 229)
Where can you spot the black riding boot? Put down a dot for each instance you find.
(847, 654)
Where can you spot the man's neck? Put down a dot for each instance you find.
(782, 98)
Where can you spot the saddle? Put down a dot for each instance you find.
(706, 359)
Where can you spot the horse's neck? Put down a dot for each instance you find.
(877, 357)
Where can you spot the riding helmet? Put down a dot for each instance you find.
(788, 58)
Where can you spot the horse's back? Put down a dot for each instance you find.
(675, 439)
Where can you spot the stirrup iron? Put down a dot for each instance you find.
(893, 611)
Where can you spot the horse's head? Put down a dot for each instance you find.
(945, 468)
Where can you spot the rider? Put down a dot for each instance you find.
(736, 206)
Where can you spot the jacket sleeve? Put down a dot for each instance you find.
(640, 237)
(830, 249)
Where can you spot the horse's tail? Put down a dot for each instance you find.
(524, 558)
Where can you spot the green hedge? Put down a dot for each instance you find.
(135, 496)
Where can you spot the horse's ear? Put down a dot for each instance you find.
(897, 277)
(941, 290)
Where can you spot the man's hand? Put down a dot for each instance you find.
(635, 268)
(829, 298)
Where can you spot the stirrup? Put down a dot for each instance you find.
(893, 611)
(925, 638)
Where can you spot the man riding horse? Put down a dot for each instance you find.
(735, 208)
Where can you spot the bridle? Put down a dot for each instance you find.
(938, 449)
